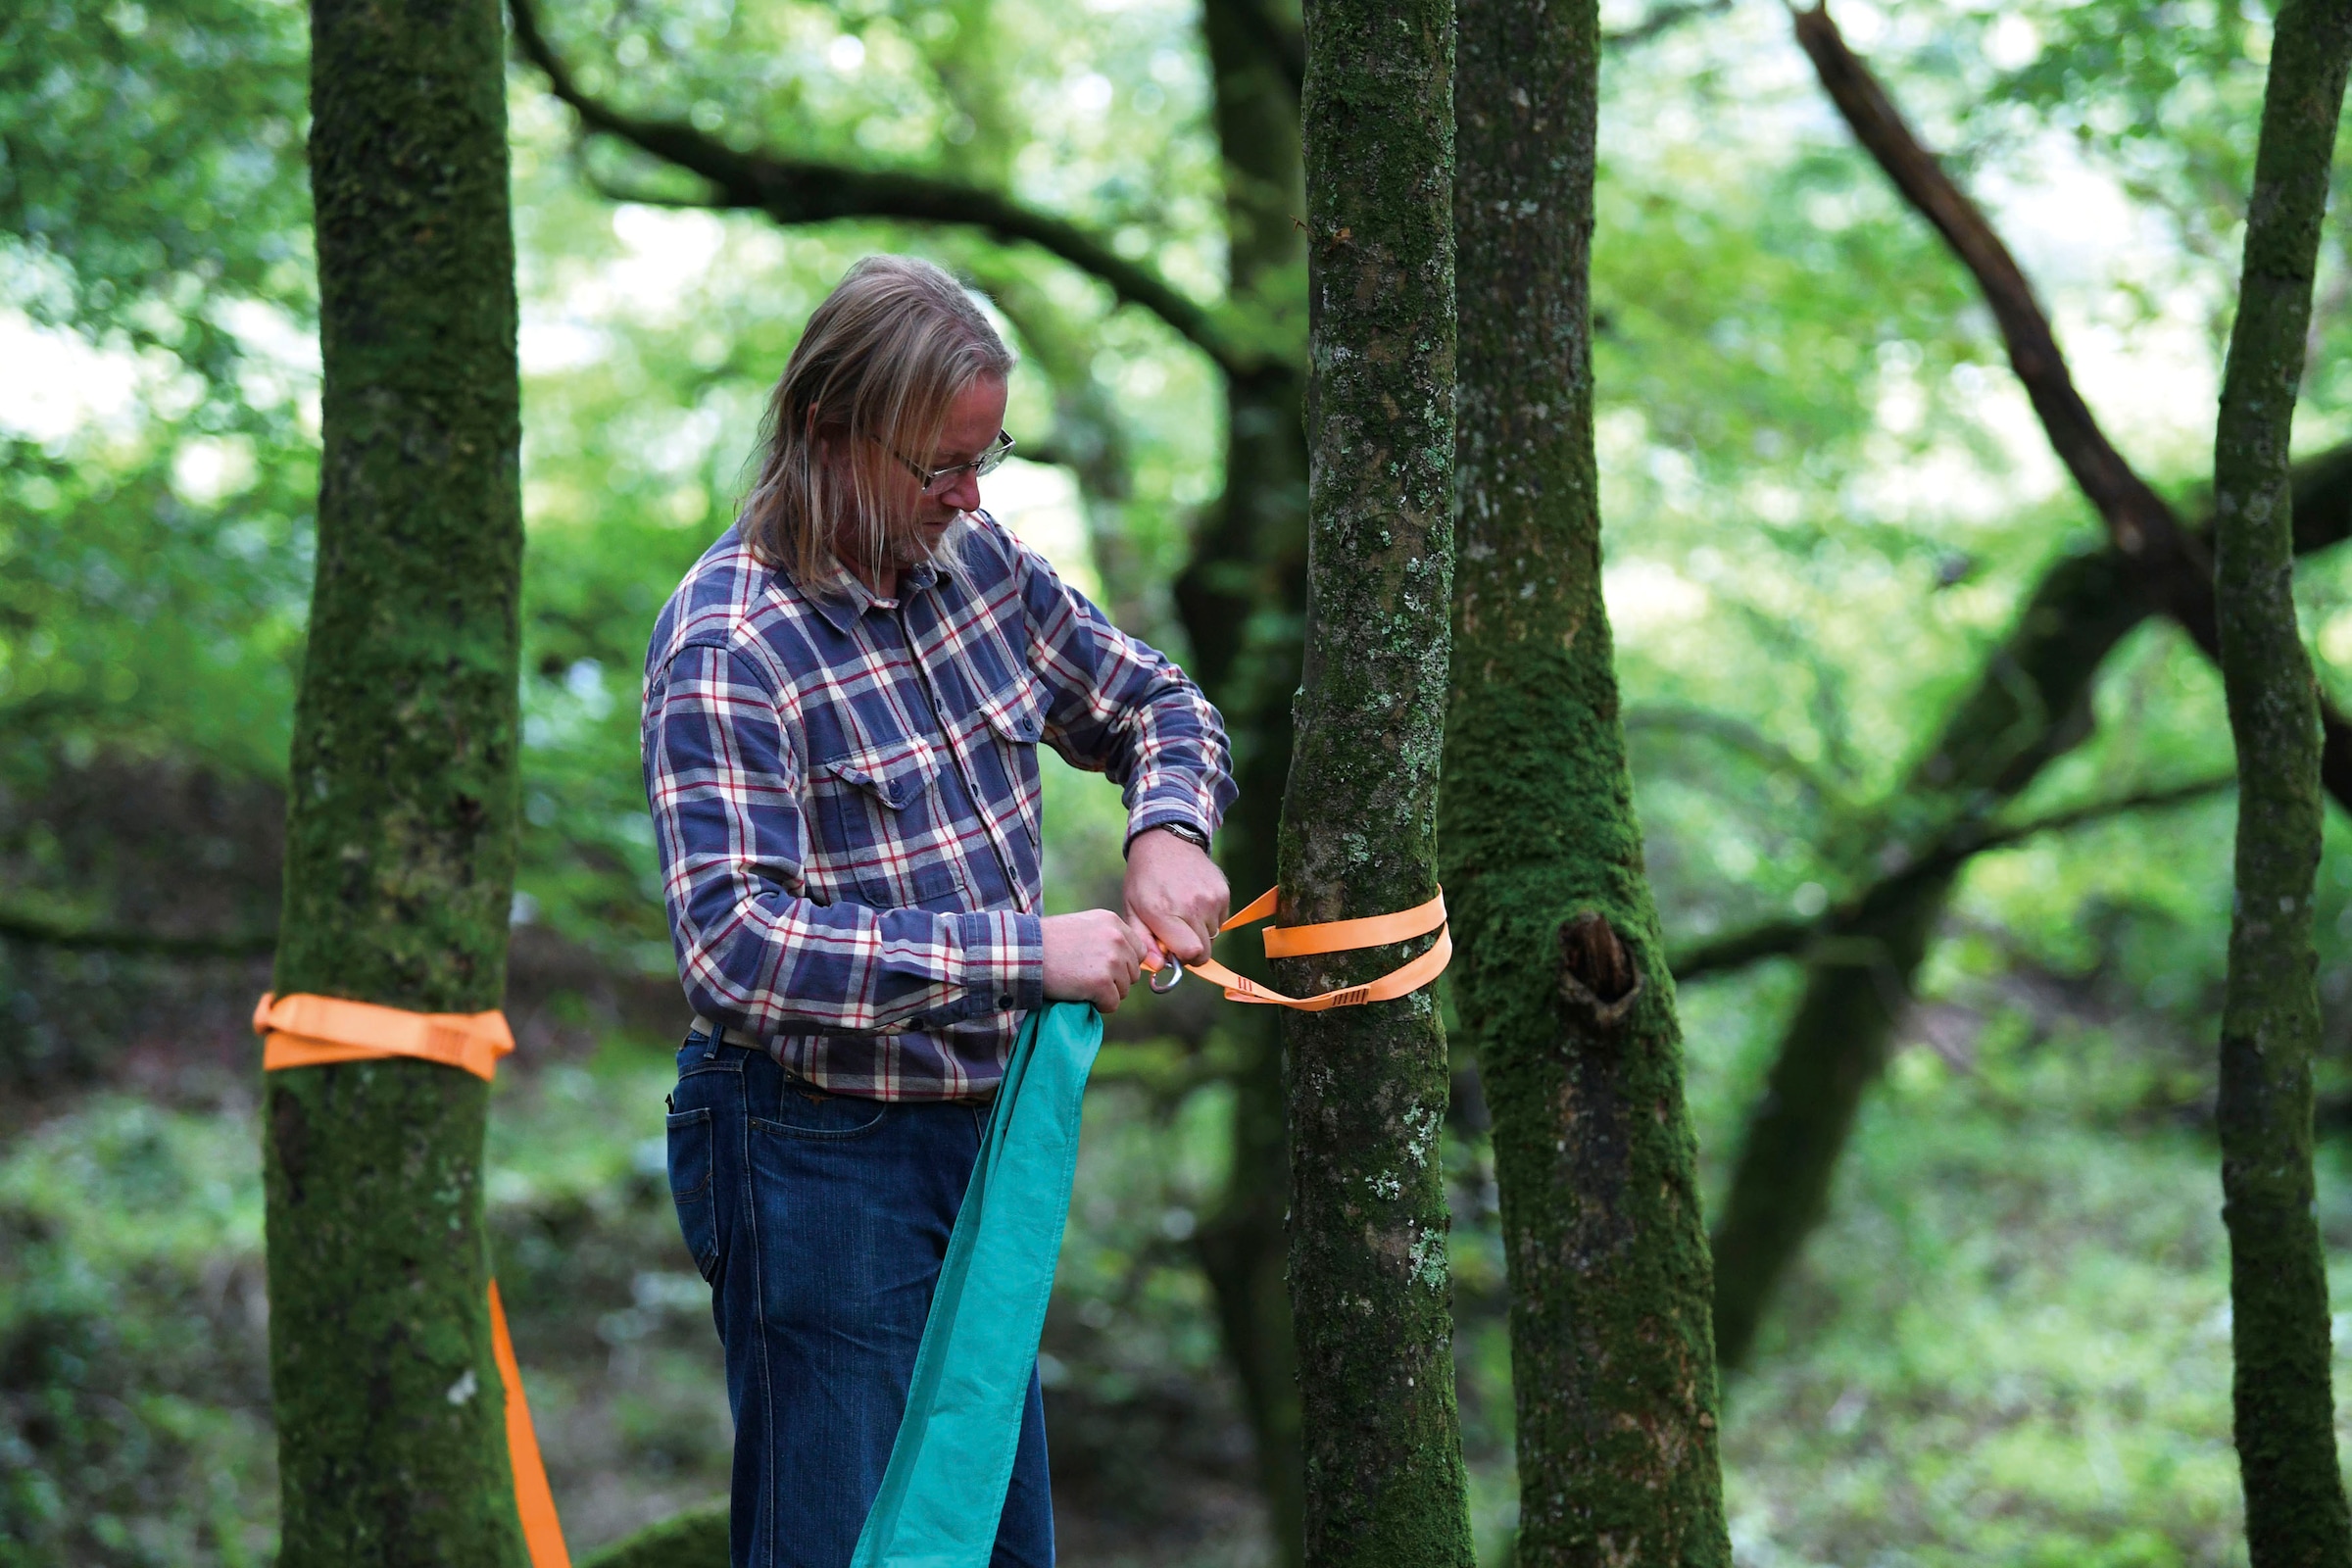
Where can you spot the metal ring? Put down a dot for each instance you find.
(1173, 969)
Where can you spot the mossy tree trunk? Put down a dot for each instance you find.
(2286, 1421)
(1369, 1282)
(1562, 987)
(1243, 599)
(400, 828)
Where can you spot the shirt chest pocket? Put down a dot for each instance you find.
(1015, 720)
(879, 830)
(1017, 714)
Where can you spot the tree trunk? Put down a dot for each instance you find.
(1563, 989)
(1243, 601)
(1369, 1282)
(2030, 706)
(2286, 1421)
(400, 828)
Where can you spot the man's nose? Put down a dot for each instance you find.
(964, 494)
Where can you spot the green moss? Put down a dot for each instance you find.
(401, 827)
(2295, 1507)
(1384, 1483)
(1612, 1358)
(695, 1539)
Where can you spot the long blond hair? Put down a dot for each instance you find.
(876, 368)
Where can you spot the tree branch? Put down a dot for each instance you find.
(1283, 46)
(1662, 20)
(1782, 939)
(2135, 515)
(1736, 735)
(798, 191)
(37, 933)
(2173, 565)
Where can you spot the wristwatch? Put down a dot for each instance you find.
(1183, 830)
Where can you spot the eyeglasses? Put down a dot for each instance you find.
(981, 467)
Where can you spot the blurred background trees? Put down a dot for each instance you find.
(1886, 679)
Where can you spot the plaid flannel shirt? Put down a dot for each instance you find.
(845, 798)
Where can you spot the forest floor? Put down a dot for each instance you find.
(2010, 1345)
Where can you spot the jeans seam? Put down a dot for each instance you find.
(766, 1530)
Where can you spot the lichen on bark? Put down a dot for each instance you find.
(1562, 988)
(402, 807)
(1369, 1283)
(2283, 1407)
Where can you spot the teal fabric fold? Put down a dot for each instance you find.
(944, 1489)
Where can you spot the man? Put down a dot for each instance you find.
(843, 704)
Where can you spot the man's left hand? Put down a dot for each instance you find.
(1175, 894)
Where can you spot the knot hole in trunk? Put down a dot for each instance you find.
(1597, 977)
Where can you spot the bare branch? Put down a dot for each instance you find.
(2173, 565)
(1784, 939)
(1773, 939)
(798, 191)
(2135, 515)
(1736, 735)
(1662, 20)
(37, 933)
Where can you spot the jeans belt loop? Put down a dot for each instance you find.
(721, 1035)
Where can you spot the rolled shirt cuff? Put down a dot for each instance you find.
(1005, 953)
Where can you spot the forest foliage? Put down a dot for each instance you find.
(1825, 499)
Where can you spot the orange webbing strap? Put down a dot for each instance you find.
(306, 1031)
(542, 1531)
(1338, 936)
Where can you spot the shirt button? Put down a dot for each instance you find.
(1004, 1001)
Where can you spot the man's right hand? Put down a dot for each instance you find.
(1090, 956)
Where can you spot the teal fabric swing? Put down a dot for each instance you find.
(944, 1489)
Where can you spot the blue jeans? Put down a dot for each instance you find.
(819, 1221)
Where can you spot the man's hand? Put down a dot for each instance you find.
(1176, 896)
(1090, 956)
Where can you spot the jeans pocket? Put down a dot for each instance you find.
(690, 1156)
(804, 1112)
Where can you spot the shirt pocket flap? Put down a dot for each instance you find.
(896, 773)
(1017, 712)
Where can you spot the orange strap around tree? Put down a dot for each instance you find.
(306, 1031)
(1338, 936)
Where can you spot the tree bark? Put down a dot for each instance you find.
(1369, 1280)
(1563, 989)
(2285, 1409)
(402, 817)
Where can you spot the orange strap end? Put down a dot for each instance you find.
(534, 1500)
(1338, 936)
(308, 1031)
